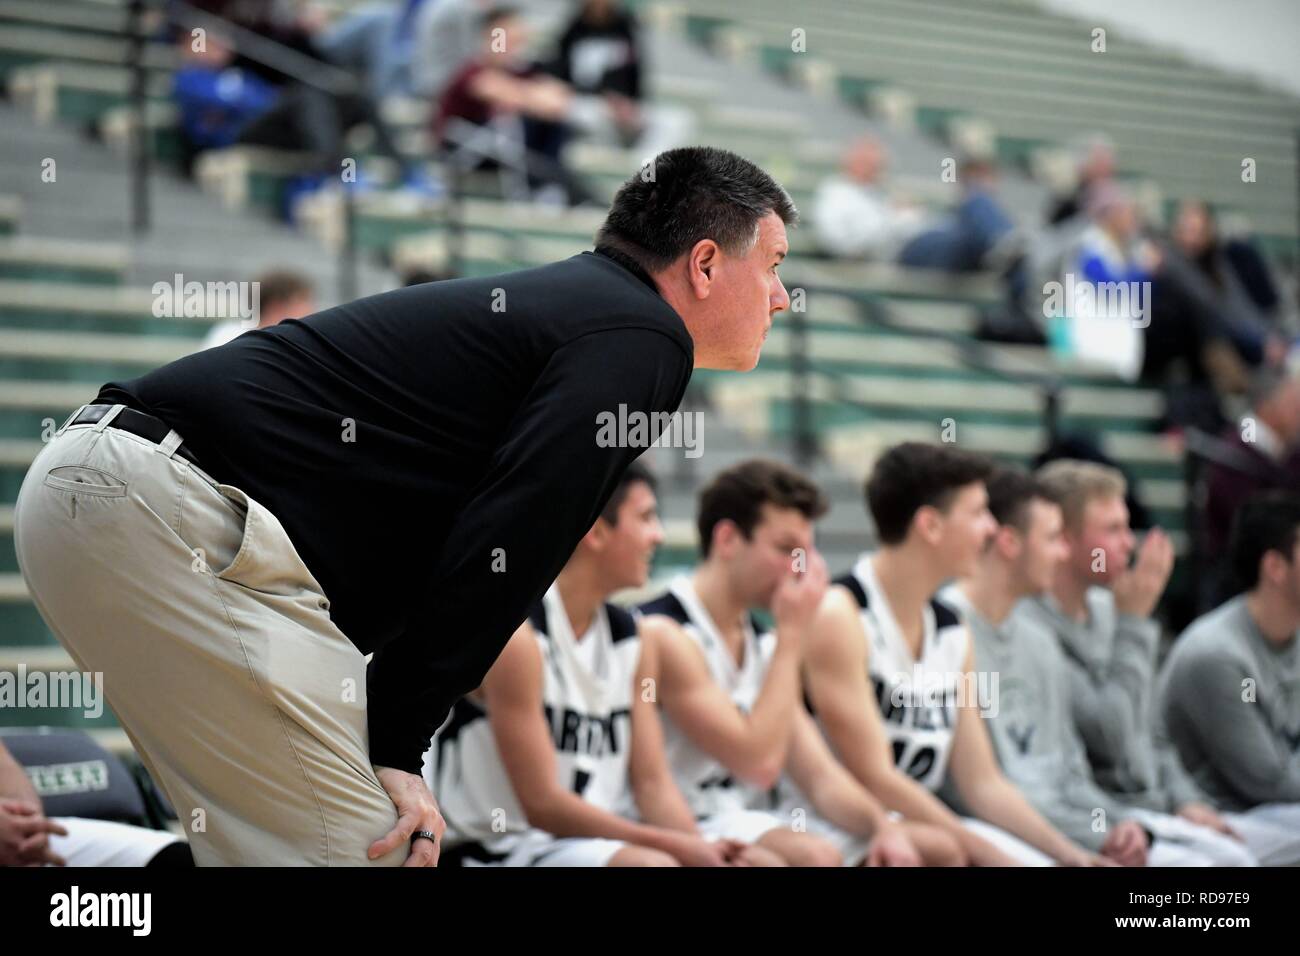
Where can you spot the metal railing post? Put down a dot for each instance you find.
(139, 139)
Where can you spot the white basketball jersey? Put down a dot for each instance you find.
(708, 786)
(587, 688)
(917, 696)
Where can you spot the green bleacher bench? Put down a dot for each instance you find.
(11, 214)
(23, 46)
(63, 260)
(78, 92)
(93, 357)
(69, 307)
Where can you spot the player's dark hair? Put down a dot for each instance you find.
(739, 493)
(912, 475)
(1010, 493)
(683, 196)
(1267, 522)
(636, 472)
(282, 285)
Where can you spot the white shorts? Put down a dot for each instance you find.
(1271, 831)
(853, 847)
(1012, 846)
(103, 843)
(1180, 842)
(747, 826)
(538, 848)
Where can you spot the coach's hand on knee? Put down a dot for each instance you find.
(416, 810)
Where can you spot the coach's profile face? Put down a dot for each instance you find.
(740, 295)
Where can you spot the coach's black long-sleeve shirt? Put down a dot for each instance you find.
(471, 407)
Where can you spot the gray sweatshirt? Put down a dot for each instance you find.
(1031, 725)
(1112, 661)
(1231, 701)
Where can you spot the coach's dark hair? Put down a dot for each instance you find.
(1267, 522)
(1010, 493)
(685, 195)
(739, 493)
(636, 472)
(913, 475)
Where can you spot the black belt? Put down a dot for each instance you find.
(137, 423)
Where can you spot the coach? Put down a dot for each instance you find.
(228, 536)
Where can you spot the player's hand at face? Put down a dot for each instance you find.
(799, 595)
(416, 810)
(1126, 844)
(891, 847)
(25, 834)
(1139, 588)
(1206, 816)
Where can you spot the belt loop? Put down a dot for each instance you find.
(169, 444)
(108, 417)
(69, 420)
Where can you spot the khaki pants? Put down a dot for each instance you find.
(219, 658)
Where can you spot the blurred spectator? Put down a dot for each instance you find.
(1107, 287)
(853, 216)
(974, 235)
(377, 42)
(599, 54)
(448, 35)
(1112, 248)
(1262, 454)
(503, 111)
(222, 104)
(1196, 238)
(282, 294)
(1096, 166)
(291, 25)
(216, 96)
(1207, 329)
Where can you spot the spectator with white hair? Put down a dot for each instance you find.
(853, 215)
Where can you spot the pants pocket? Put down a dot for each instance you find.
(85, 480)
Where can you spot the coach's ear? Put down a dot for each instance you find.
(701, 266)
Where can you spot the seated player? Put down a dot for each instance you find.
(29, 838)
(536, 766)
(889, 669)
(1032, 727)
(730, 693)
(1099, 610)
(1229, 694)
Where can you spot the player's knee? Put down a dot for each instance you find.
(824, 853)
(945, 850)
(641, 856)
(804, 849)
(754, 855)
